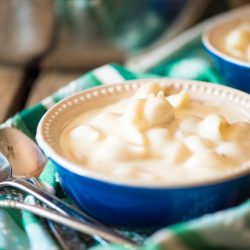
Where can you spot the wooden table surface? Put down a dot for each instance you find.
(17, 91)
(39, 52)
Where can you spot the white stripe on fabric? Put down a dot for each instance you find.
(47, 102)
(8, 123)
(11, 235)
(226, 229)
(48, 187)
(69, 89)
(168, 240)
(38, 239)
(63, 92)
(108, 75)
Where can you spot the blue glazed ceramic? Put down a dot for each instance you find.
(236, 73)
(145, 207)
(132, 205)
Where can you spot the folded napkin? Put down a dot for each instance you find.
(228, 229)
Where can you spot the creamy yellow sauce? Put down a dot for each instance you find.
(237, 42)
(233, 38)
(153, 138)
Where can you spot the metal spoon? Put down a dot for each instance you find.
(8, 137)
(66, 237)
(23, 154)
(16, 146)
(25, 160)
(64, 220)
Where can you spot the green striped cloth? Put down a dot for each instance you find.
(228, 229)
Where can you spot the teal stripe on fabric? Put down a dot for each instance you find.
(127, 75)
(210, 75)
(152, 246)
(110, 247)
(194, 49)
(48, 175)
(89, 81)
(55, 98)
(28, 218)
(17, 122)
(147, 75)
(39, 237)
(28, 119)
(192, 63)
(11, 235)
(191, 238)
(15, 215)
(247, 219)
(84, 82)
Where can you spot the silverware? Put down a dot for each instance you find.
(67, 238)
(17, 146)
(64, 220)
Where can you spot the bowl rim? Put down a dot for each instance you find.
(193, 85)
(222, 20)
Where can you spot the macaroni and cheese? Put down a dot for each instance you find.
(154, 137)
(237, 42)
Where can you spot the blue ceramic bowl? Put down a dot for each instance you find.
(139, 206)
(235, 72)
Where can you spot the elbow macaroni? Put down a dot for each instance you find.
(157, 138)
(237, 42)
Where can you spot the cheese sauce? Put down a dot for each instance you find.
(237, 41)
(233, 38)
(153, 138)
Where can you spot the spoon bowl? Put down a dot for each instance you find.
(5, 170)
(28, 161)
(25, 158)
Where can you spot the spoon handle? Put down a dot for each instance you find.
(50, 200)
(67, 238)
(58, 205)
(70, 222)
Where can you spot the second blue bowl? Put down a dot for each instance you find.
(235, 72)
